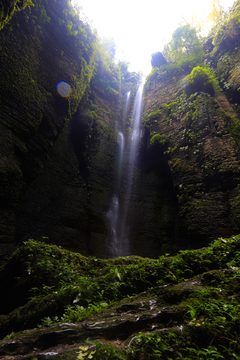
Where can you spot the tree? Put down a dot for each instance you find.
(185, 41)
(217, 14)
(123, 66)
(110, 46)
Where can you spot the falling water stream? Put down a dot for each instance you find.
(126, 107)
(118, 238)
(113, 215)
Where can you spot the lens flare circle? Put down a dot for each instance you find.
(63, 88)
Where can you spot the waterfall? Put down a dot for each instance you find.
(126, 107)
(132, 146)
(117, 241)
(121, 142)
(112, 239)
(112, 246)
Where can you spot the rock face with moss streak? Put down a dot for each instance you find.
(199, 140)
(202, 157)
(46, 190)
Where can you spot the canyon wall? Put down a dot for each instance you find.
(59, 153)
(52, 146)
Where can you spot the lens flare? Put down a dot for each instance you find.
(63, 88)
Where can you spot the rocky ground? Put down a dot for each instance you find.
(61, 305)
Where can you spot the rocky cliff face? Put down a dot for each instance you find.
(59, 153)
(198, 136)
(51, 143)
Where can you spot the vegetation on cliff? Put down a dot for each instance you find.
(188, 48)
(197, 119)
(202, 79)
(185, 43)
(7, 9)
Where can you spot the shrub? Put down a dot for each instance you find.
(157, 139)
(201, 79)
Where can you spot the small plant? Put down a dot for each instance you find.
(10, 336)
(192, 312)
(153, 346)
(108, 352)
(98, 351)
(48, 321)
(209, 354)
(85, 352)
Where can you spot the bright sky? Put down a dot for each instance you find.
(142, 27)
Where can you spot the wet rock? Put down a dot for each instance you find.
(131, 308)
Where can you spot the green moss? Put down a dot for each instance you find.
(153, 116)
(202, 79)
(157, 139)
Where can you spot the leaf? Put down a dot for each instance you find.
(84, 347)
(104, 304)
(90, 356)
(77, 298)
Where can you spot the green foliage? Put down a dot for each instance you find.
(174, 71)
(8, 8)
(185, 42)
(202, 79)
(123, 66)
(109, 45)
(157, 139)
(107, 78)
(210, 330)
(183, 53)
(81, 287)
(151, 346)
(44, 18)
(209, 353)
(226, 24)
(74, 313)
(217, 15)
(105, 352)
(196, 121)
(153, 116)
(200, 75)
